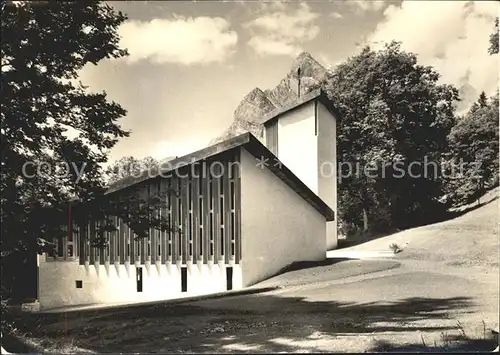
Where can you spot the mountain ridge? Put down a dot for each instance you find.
(258, 103)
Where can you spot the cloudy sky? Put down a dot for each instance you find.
(191, 63)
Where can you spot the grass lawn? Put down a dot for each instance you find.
(439, 294)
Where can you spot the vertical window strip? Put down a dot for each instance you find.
(108, 239)
(211, 227)
(169, 218)
(117, 239)
(221, 201)
(138, 242)
(222, 240)
(232, 194)
(179, 216)
(191, 230)
(170, 232)
(113, 241)
(190, 193)
(201, 227)
(76, 238)
(128, 243)
(234, 169)
(200, 244)
(200, 180)
(96, 250)
(87, 243)
(210, 193)
(122, 234)
(159, 232)
(233, 222)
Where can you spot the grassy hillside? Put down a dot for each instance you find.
(470, 239)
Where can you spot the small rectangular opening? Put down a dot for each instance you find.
(184, 279)
(79, 284)
(229, 278)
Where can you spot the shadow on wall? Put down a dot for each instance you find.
(258, 322)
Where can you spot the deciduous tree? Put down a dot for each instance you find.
(393, 111)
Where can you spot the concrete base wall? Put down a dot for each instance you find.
(117, 283)
(278, 226)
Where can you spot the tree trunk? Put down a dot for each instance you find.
(365, 219)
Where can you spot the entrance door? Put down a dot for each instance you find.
(184, 279)
(139, 279)
(229, 278)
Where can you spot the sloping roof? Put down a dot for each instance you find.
(254, 147)
(318, 94)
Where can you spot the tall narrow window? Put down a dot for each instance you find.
(222, 241)
(179, 216)
(222, 210)
(179, 210)
(200, 238)
(211, 226)
(116, 233)
(128, 243)
(200, 181)
(232, 194)
(234, 170)
(87, 244)
(200, 210)
(210, 194)
(232, 225)
(190, 226)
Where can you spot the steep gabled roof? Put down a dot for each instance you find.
(254, 147)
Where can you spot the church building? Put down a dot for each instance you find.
(245, 208)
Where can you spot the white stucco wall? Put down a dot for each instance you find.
(297, 144)
(278, 226)
(327, 168)
(117, 283)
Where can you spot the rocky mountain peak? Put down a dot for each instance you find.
(258, 103)
(309, 67)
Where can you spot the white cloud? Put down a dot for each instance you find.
(282, 32)
(180, 40)
(362, 6)
(336, 15)
(451, 36)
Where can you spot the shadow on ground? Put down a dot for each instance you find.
(302, 265)
(456, 345)
(259, 322)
